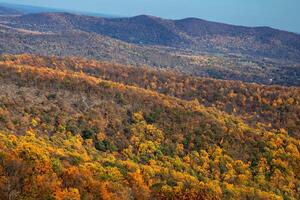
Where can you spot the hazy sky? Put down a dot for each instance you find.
(282, 14)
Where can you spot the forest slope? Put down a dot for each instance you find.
(270, 107)
(71, 135)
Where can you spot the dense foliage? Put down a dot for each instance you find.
(271, 107)
(66, 133)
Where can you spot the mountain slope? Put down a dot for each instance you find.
(190, 33)
(260, 106)
(71, 135)
(73, 35)
(76, 128)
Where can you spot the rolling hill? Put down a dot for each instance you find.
(269, 107)
(146, 108)
(64, 34)
(191, 33)
(66, 133)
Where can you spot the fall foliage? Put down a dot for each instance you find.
(270, 107)
(75, 129)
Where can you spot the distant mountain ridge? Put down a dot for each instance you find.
(190, 46)
(27, 9)
(190, 33)
(8, 11)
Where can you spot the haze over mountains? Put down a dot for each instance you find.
(27, 9)
(9, 11)
(190, 33)
(188, 45)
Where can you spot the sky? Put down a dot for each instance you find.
(280, 14)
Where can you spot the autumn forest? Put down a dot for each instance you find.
(81, 129)
(146, 108)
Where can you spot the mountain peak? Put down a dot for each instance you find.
(145, 18)
(9, 11)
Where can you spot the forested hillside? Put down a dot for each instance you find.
(146, 108)
(190, 46)
(78, 129)
(271, 107)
